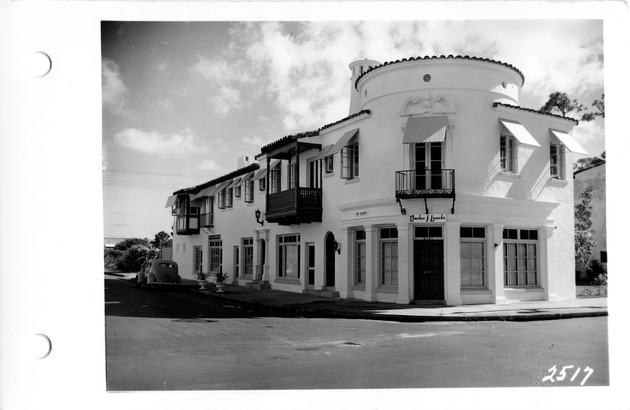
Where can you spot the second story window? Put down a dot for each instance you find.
(556, 161)
(291, 176)
(262, 184)
(276, 180)
(221, 201)
(229, 199)
(507, 153)
(249, 191)
(328, 164)
(350, 161)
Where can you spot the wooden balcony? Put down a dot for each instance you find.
(295, 206)
(425, 184)
(187, 225)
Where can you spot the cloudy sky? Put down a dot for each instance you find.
(182, 101)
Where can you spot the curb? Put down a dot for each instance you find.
(328, 313)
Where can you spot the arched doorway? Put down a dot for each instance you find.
(330, 259)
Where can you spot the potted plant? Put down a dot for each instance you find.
(202, 278)
(219, 279)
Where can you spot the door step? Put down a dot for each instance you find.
(258, 285)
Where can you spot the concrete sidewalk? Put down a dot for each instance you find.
(316, 306)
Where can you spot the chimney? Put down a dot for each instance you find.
(244, 161)
(357, 68)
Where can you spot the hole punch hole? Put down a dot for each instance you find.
(41, 346)
(39, 64)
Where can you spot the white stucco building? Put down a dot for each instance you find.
(436, 188)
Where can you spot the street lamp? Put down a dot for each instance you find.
(258, 213)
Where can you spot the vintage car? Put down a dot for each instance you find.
(158, 272)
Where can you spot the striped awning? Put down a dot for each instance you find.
(425, 129)
(520, 133)
(343, 141)
(323, 153)
(568, 141)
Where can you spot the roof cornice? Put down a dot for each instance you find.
(226, 177)
(515, 107)
(442, 57)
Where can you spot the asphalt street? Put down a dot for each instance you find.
(165, 339)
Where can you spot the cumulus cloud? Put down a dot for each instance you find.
(303, 67)
(227, 99)
(209, 165)
(256, 141)
(115, 92)
(151, 142)
(590, 131)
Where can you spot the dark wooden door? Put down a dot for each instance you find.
(330, 259)
(428, 270)
(310, 266)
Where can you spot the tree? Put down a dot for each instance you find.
(600, 106)
(562, 104)
(135, 256)
(161, 238)
(584, 241)
(127, 243)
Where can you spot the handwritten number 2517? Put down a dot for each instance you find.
(563, 374)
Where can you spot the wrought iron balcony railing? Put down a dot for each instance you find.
(425, 183)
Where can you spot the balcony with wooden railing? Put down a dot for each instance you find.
(295, 206)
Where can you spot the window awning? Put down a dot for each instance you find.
(245, 178)
(323, 153)
(260, 174)
(171, 201)
(425, 129)
(520, 133)
(234, 182)
(343, 141)
(209, 191)
(568, 141)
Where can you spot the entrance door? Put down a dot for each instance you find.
(310, 265)
(330, 259)
(428, 165)
(428, 269)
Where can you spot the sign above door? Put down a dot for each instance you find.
(427, 218)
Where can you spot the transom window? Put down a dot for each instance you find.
(472, 252)
(428, 232)
(507, 153)
(520, 257)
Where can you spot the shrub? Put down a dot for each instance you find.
(594, 270)
(134, 257)
(601, 279)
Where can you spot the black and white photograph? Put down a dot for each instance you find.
(300, 206)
